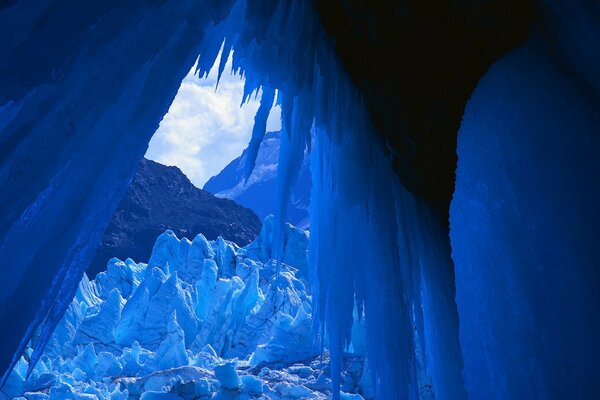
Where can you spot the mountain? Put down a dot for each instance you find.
(258, 193)
(161, 198)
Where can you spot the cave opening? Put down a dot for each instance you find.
(492, 295)
(203, 137)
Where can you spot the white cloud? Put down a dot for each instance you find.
(204, 130)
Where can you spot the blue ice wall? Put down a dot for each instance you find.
(83, 87)
(399, 273)
(524, 228)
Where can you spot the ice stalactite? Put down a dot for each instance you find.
(259, 129)
(402, 274)
(297, 120)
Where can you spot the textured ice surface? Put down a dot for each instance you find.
(524, 229)
(201, 319)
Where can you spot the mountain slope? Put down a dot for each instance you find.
(258, 193)
(161, 198)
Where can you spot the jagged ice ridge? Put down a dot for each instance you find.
(205, 319)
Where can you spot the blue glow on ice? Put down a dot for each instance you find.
(524, 217)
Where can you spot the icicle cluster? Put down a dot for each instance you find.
(400, 278)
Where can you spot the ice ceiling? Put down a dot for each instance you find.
(83, 86)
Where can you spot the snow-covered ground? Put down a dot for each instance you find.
(200, 320)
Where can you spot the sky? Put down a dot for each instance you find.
(205, 130)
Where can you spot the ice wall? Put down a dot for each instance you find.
(524, 229)
(83, 87)
(399, 275)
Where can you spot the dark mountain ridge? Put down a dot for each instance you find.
(161, 198)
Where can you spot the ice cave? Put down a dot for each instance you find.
(423, 224)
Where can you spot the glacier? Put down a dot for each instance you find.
(191, 322)
(501, 301)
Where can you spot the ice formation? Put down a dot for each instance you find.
(539, 301)
(191, 322)
(524, 237)
(412, 330)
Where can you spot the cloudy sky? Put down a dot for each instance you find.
(204, 130)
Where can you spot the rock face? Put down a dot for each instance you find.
(259, 192)
(162, 198)
(203, 319)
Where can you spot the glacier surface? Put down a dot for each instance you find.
(203, 319)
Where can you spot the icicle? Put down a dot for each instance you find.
(259, 129)
(207, 59)
(225, 52)
(297, 121)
